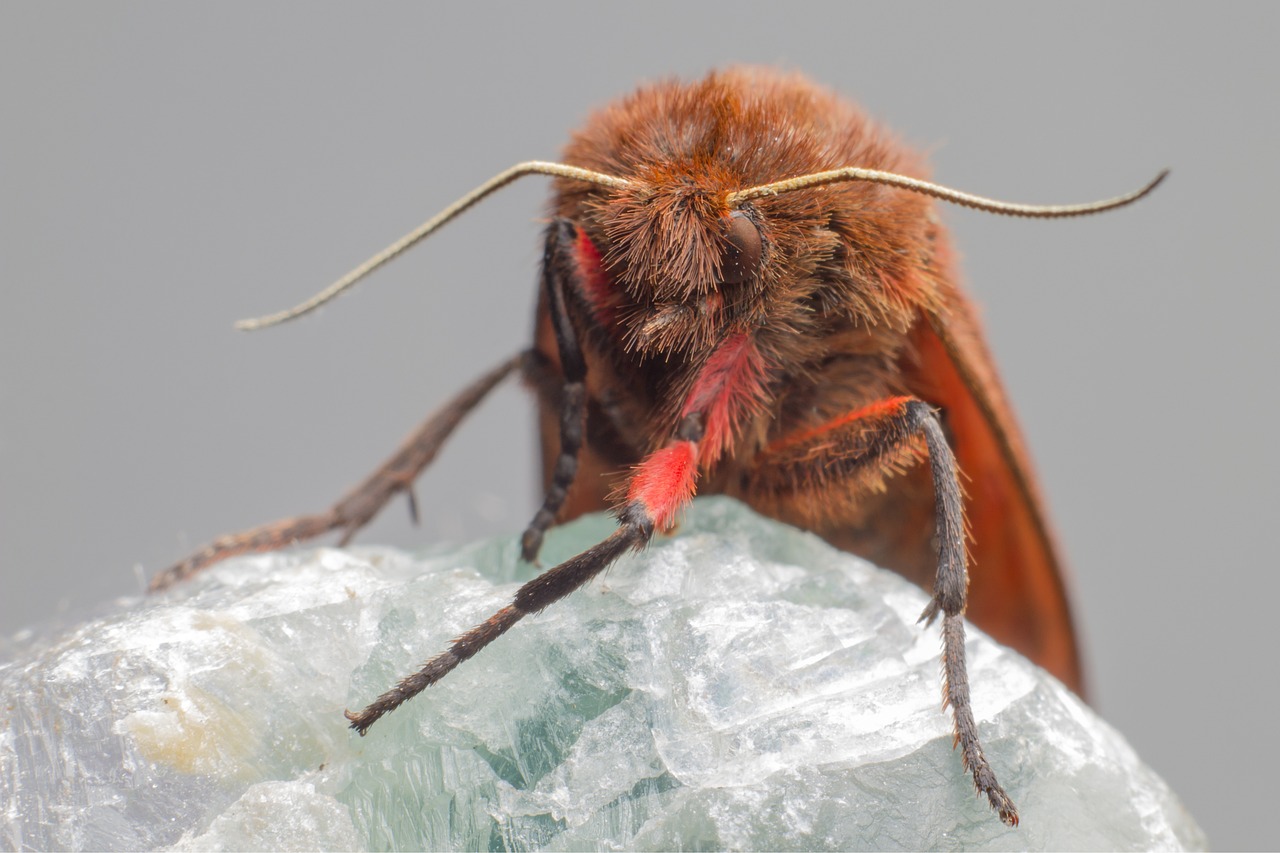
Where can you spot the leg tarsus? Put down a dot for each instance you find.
(572, 420)
(542, 591)
(436, 668)
(955, 686)
(362, 503)
(267, 537)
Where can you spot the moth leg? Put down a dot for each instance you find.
(858, 449)
(557, 267)
(662, 484)
(362, 503)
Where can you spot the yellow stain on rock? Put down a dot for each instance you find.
(193, 727)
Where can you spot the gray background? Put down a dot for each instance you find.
(166, 170)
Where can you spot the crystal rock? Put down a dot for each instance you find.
(739, 685)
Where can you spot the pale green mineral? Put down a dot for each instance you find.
(738, 686)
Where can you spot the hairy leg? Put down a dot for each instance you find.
(661, 485)
(362, 503)
(557, 274)
(857, 451)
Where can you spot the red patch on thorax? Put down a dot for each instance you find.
(729, 387)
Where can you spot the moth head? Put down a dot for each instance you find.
(686, 263)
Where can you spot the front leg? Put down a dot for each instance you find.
(559, 272)
(857, 452)
(661, 485)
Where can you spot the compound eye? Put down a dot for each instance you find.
(742, 249)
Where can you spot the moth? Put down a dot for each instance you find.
(746, 290)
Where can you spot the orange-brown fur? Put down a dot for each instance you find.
(856, 300)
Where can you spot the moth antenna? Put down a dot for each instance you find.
(990, 205)
(532, 167)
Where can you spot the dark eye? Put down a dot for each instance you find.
(742, 249)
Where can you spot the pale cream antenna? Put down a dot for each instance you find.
(735, 199)
(532, 167)
(1043, 211)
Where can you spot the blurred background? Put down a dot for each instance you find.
(165, 170)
